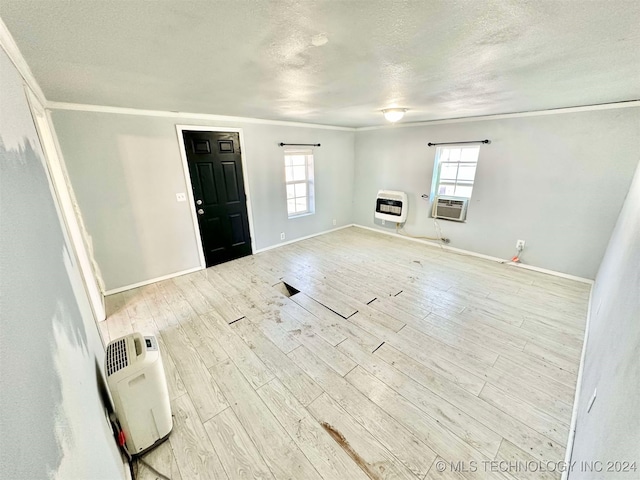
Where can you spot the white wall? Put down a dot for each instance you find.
(126, 170)
(611, 430)
(557, 181)
(52, 415)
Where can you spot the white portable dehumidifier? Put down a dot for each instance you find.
(138, 385)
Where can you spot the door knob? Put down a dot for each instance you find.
(198, 202)
(200, 211)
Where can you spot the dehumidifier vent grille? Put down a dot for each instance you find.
(117, 357)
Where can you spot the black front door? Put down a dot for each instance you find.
(215, 168)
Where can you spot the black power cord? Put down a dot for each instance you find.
(120, 440)
(152, 468)
(118, 433)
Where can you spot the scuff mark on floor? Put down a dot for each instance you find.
(344, 443)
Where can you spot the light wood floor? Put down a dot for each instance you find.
(392, 357)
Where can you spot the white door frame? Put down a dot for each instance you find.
(57, 174)
(187, 179)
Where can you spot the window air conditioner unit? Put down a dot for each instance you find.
(138, 385)
(391, 206)
(450, 208)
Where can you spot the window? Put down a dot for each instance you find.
(455, 170)
(298, 168)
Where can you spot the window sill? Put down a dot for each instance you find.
(448, 219)
(298, 215)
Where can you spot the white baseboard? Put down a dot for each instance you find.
(480, 255)
(576, 399)
(150, 281)
(574, 415)
(302, 238)
(195, 269)
(393, 234)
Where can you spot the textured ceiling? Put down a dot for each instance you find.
(329, 61)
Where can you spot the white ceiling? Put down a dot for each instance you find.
(265, 59)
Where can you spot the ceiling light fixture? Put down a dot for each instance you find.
(393, 114)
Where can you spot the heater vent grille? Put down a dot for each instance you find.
(391, 206)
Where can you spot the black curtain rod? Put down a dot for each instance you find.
(299, 144)
(457, 143)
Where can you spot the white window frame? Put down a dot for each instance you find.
(308, 181)
(437, 169)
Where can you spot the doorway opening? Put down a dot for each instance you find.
(216, 174)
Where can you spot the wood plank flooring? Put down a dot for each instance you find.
(356, 355)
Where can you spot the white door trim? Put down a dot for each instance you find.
(187, 179)
(55, 166)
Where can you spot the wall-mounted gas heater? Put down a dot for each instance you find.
(392, 206)
(450, 208)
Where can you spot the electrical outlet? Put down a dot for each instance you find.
(520, 245)
(281, 235)
(383, 222)
(181, 197)
(334, 221)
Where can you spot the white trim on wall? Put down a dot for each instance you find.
(481, 255)
(271, 247)
(152, 280)
(196, 269)
(576, 399)
(431, 244)
(191, 116)
(54, 164)
(10, 46)
(187, 179)
(535, 113)
(53, 160)
(225, 118)
(190, 198)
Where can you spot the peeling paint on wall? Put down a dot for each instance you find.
(51, 413)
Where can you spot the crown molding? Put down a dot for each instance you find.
(225, 118)
(186, 115)
(13, 52)
(534, 113)
(10, 47)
